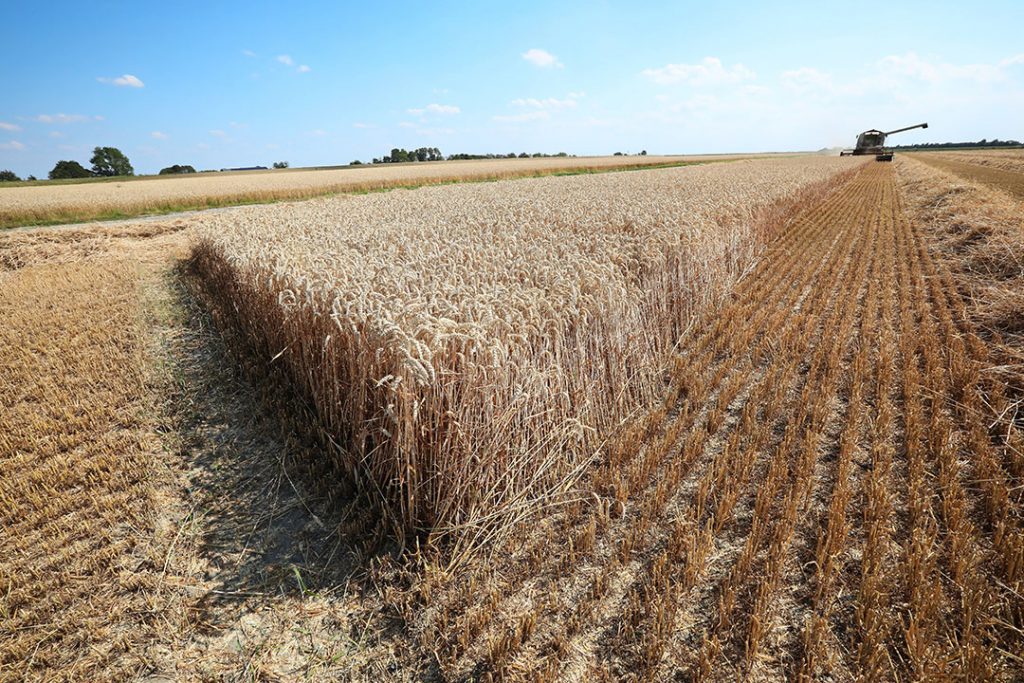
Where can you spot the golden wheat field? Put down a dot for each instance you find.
(66, 203)
(758, 420)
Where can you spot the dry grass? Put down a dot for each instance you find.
(468, 349)
(69, 203)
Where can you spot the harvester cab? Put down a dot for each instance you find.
(873, 142)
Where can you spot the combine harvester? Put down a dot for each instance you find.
(873, 142)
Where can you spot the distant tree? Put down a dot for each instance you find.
(617, 154)
(376, 160)
(355, 162)
(280, 164)
(110, 161)
(31, 177)
(524, 155)
(643, 152)
(69, 169)
(8, 176)
(176, 169)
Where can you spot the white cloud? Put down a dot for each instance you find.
(913, 66)
(406, 124)
(1011, 61)
(203, 145)
(286, 60)
(548, 103)
(218, 133)
(13, 144)
(435, 109)
(363, 125)
(55, 134)
(9, 126)
(431, 132)
(542, 58)
(126, 81)
(303, 69)
(158, 135)
(249, 53)
(709, 71)
(318, 133)
(536, 115)
(807, 78)
(62, 118)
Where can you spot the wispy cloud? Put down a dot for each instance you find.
(9, 126)
(13, 144)
(538, 115)
(158, 135)
(406, 124)
(554, 103)
(898, 74)
(63, 118)
(319, 133)
(912, 65)
(55, 134)
(288, 60)
(363, 125)
(542, 59)
(709, 71)
(126, 81)
(249, 53)
(218, 133)
(441, 109)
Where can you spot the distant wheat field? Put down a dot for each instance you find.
(41, 204)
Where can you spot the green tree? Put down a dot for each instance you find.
(8, 176)
(177, 168)
(280, 164)
(69, 169)
(110, 161)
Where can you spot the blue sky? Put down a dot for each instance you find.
(220, 84)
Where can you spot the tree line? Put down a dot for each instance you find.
(953, 145)
(399, 155)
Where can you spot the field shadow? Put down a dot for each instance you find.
(270, 518)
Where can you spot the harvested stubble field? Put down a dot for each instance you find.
(823, 483)
(1001, 169)
(44, 204)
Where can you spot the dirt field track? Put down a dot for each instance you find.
(829, 489)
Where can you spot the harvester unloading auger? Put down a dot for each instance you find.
(873, 142)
